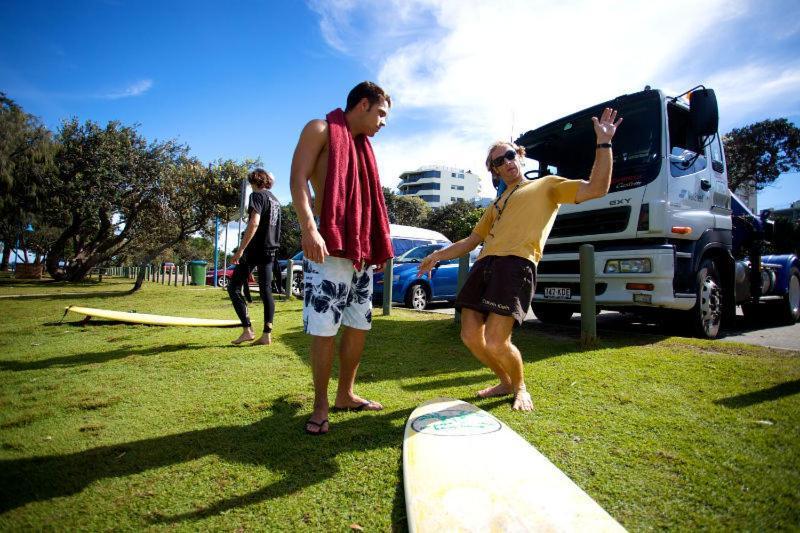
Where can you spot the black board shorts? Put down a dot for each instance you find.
(502, 285)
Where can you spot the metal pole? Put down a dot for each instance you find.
(588, 307)
(216, 249)
(388, 283)
(463, 271)
(225, 255)
(289, 276)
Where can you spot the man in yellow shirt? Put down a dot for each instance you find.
(514, 229)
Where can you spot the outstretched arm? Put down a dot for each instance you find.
(451, 252)
(600, 179)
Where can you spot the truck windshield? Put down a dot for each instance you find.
(566, 147)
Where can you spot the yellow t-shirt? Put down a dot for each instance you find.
(526, 221)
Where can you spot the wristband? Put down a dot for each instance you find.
(603, 145)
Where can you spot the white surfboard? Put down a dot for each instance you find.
(153, 320)
(464, 470)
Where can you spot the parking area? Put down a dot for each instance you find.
(765, 334)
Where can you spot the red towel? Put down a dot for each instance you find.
(354, 221)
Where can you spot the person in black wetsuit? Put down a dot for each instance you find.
(257, 250)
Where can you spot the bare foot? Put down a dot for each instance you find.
(501, 389)
(264, 340)
(246, 336)
(355, 403)
(522, 401)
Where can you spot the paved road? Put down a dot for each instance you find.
(772, 335)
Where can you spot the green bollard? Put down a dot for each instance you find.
(388, 285)
(588, 305)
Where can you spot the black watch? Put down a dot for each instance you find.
(604, 145)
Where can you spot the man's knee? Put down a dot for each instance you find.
(496, 344)
(471, 336)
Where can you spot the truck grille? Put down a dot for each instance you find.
(609, 220)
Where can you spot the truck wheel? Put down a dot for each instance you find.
(417, 297)
(706, 315)
(552, 313)
(790, 306)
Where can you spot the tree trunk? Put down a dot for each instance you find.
(147, 259)
(6, 256)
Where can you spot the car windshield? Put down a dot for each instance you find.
(416, 255)
(298, 256)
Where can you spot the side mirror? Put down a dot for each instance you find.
(703, 112)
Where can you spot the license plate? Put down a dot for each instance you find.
(559, 293)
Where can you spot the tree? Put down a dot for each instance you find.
(407, 210)
(390, 198)
(411, 211)
(26, 164)
(454, 220)
(757, 154)
(120, 194)
(190, 197)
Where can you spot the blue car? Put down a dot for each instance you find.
(418, 292)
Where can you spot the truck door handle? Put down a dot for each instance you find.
(705, 185)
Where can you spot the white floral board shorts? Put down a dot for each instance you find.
(336, 294)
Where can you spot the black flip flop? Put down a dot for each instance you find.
(319, 425)
(359, 407)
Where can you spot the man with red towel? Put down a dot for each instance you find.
(345, 236)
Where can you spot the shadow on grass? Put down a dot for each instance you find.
(760, 396)
(94, 357)
(70, 296)
(399, 349)
(276, 442)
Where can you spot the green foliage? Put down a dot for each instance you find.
(411, 211)
(761, 152)
(406, 210)
(290, 232)
(26, 167)
(454, 220)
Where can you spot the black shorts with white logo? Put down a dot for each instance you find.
(502, 285)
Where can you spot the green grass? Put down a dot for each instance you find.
(113, 426)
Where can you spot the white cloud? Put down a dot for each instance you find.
(483, 70)
(135, 89)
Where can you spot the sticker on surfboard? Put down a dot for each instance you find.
(456, 422)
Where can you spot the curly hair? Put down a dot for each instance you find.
(261, 178)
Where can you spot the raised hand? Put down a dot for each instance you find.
(606, 127)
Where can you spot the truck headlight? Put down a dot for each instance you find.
(625, 266)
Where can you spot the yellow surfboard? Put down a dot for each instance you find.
(153, 320)
(464, 470)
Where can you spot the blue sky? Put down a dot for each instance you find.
(240, 79)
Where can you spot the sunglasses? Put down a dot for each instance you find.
(510, 155)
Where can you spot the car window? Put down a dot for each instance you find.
(417, 254)
(401, 245)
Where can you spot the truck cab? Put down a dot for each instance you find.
(663, 233)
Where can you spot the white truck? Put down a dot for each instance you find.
(669, 236)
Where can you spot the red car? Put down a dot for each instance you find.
(224, 277)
